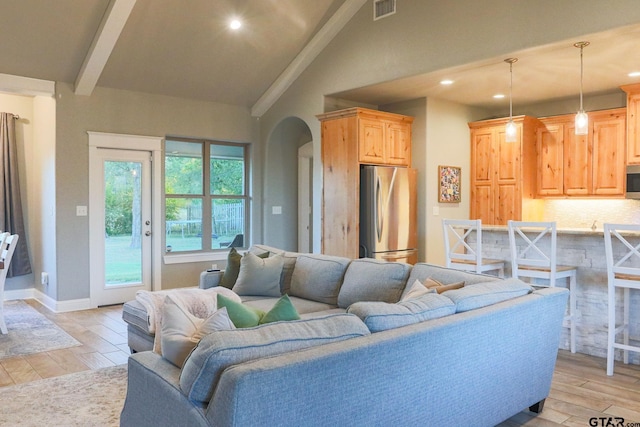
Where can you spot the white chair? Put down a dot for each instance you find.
(465, 253)
(623, 271)
(7, 248)
(533, 255)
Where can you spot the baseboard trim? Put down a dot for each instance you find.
(47, 301)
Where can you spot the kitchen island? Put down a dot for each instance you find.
(584, 249)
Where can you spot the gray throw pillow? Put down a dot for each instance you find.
(371, 280)
(318, 277)
(259, 276)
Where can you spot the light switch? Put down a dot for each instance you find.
(276, 210)
(81, 211)
(436, 210)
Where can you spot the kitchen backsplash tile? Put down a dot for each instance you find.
(581, 213)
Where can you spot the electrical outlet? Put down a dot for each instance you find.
(44, 279)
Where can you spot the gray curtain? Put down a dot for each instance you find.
(11, 219)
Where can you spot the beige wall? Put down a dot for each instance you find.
(117, 111)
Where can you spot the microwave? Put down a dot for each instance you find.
(633, 182)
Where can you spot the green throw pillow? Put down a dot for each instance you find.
(244, 316)
(231, 271)
(283, 309)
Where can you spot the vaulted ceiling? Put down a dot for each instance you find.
(185, 48)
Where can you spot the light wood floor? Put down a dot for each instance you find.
(101, 331)
(580, 390)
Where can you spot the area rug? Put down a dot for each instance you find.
(88, 398)
(30, 332)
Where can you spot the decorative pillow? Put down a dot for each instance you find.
(230, 274)
(259, 276)
(372, 280)
(438, 287)
(318, 277)
(219, 350)
(416, 290)
(487, 293)
(380, 316)
(244, 316)
(181, 330)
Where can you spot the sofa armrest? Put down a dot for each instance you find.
(154, 397)
(209, 279)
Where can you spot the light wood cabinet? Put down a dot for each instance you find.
(581, 165)
(350, 138)
(633, 123)
(502, 173)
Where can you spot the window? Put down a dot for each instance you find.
(206, 195)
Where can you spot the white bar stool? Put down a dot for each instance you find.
(530, 258)
(461, 254)
(623, 271)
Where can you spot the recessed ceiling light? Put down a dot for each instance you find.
(498, 96)
(446, 82)
(235, 24)
(634, 74)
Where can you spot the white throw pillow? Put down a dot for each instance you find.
(182, 331)
(415, 290)
(259, 276)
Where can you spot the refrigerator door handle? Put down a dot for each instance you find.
(378, 213)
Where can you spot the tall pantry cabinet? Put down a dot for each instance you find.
(350, 138)
(502, 173)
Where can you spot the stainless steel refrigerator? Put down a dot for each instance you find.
(388, 213)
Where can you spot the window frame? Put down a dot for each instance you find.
(208, 252)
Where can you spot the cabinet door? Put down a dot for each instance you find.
(633, 129)
(578, 157)
(398, 144)
(608, 155)
(549, 140)
(507, 187)
(482, 154)
(371, 141)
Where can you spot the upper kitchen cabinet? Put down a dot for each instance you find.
(633, 123)
(383, 138)
(581, 165)
(502, 173)
(350, 138)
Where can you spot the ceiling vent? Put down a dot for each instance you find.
(383, 8)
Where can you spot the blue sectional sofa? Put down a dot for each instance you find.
(361, 354)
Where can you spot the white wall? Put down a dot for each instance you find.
(35, 134)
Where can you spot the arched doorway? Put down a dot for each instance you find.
(288, 185)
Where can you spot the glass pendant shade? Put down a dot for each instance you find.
(511, 132)
(582, 123)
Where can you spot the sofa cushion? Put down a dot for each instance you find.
(245, 316)
(181, 330)
(221, 349)
(422, 271)
(487, 293)
(318, 277)
(415, 290)
(372, 280)
(380, 316)
(230, 273)
(302, 305)
(259, 276)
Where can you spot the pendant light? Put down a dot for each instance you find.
(582, 119)
(511, 130)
